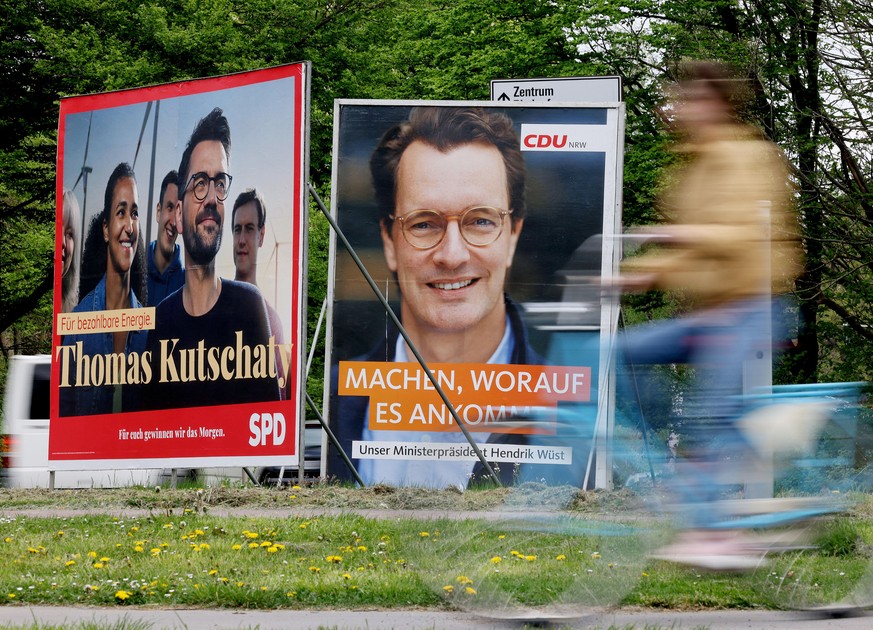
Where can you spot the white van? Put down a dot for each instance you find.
(24, 442)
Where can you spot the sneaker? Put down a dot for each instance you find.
(714, 551)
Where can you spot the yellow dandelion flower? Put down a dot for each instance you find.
(92, 554)
(470, 590)
(291, 593)
(266, 543)
(199, 532)
(530, 558)
(595, 555)
(69, 563)
(272, 549)
(164, 545)
(155, 551)
(205, 546)
(496, 560)
(515, 553)
(501, 537)
(237, 547)
(304, 525)
(213, 572)
(347, 576)
(334, 559)
(135, 528)
(240, 583)
(122, 595)
(61, 533)
(315, 569)
(138, 548)
(610, 565)
(224, 579)
(251, 534)
(463, 579)
(253, 545)
(168, 526)
(8, 539)
(424, 534)
(293, 496)
(362, 547)
(448, 588)
(645, 574)
(295, 487)
(560, 556)
(98, 565)
(104, 559)
(279, 546)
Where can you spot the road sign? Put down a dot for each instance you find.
(560, 90)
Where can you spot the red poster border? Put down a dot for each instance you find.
(73, 441)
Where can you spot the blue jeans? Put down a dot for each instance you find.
(715, 342)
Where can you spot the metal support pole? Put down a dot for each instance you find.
(335, 441)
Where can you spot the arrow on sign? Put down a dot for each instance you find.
(503, 97)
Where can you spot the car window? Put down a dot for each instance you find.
(39, 395)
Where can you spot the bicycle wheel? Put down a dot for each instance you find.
(534, 562)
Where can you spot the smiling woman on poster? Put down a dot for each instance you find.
(113, 245)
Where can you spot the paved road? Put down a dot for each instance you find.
(191, 619)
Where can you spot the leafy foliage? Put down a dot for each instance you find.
(807, 60)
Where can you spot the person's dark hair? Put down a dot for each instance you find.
(251, 194)
(445, 128)
(94, 255)
(170, 178)
(120, 172)
(213, 126)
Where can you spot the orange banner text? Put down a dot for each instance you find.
(492, 398)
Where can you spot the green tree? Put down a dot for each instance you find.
(806, 61)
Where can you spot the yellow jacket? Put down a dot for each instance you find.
(734, 232)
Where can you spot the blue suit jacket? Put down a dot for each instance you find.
(347, 413)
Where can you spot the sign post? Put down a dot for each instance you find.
(559, 90)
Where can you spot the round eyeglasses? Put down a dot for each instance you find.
(199, 183)
(479, 226)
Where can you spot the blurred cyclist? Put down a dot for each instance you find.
(731, 242)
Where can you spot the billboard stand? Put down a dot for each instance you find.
(302, 428)
(390, 312)
(334, 441)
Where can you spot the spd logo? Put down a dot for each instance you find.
(266, 427)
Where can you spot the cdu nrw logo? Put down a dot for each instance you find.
(594, 138)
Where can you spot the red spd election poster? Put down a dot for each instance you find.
(180, 253)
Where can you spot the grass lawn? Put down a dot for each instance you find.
(309, 547)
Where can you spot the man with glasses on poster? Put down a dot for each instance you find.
(212, 342)
(450, 186)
